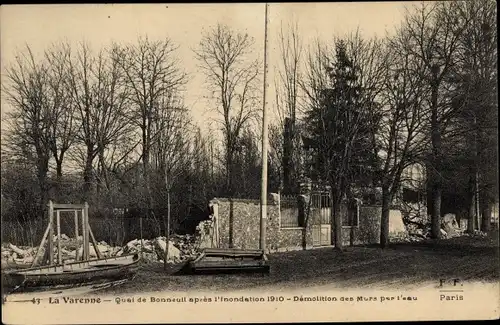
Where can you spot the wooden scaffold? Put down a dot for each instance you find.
(81, 217)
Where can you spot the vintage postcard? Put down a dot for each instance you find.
(249, 162)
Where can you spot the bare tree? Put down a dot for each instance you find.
(369, 57)
(232, 78)
(169, 149)
(276, 155)
(172, 125)
(64, 127)
(30, 122)
(99, 96)
(153, 75)
(434, 40)
(401, 137)
(287, 85)
(475, 81)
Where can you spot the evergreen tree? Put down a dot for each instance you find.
(341, 128)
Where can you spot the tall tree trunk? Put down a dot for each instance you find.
(304, 209)
(230, 172)
(104, 171)
(486, 212)
(436, 212)
(43, 185)
(58, 185)
(167, 228)
(336, 218)
(146, 149)
(87, 174)
(287, 156)
(59, 170)
(384, 222)
(471, 203)
(436, 161)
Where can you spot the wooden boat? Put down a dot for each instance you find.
(60, 275)
(71, 274)
(218, 260)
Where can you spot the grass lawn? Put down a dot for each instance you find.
(400, 265)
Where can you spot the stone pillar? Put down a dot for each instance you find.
(275, 199)
(214, 206)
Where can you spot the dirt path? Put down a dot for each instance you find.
(405, 265)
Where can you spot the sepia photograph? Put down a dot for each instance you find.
(249, 162)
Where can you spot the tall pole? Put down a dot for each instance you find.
(263, 192)
(476, 176)
(167, 230)
(51, 233)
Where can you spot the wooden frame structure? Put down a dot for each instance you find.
(81, 216)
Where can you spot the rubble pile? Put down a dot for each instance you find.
(187, 244)
(205, 233)
(180, 249)
(18, 254)
(450, 227)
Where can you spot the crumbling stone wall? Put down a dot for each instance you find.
(238, 222)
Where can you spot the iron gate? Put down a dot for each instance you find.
(321, 204)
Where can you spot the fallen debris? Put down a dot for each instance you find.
(180, 249)
(174, 254)
(450, 225)
(18, 251)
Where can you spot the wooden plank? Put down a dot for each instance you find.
(227, 264)
(40, 248)
(84, 252)
(200, 257)
(58, 222)
(76, 236)
(86, 230)
(233, 251)
(67, 210)
(68, 206)
(51, 233)
(228, 254)
(94, 242)
(45, 257)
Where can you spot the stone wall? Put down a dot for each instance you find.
(238, 226)
(368, 231)
(238, 223)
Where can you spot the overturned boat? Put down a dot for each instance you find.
(72, 274)
(60, 275)
(219, 260)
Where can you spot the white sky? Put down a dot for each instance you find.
(40, 25)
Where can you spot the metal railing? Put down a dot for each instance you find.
(290, 212)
